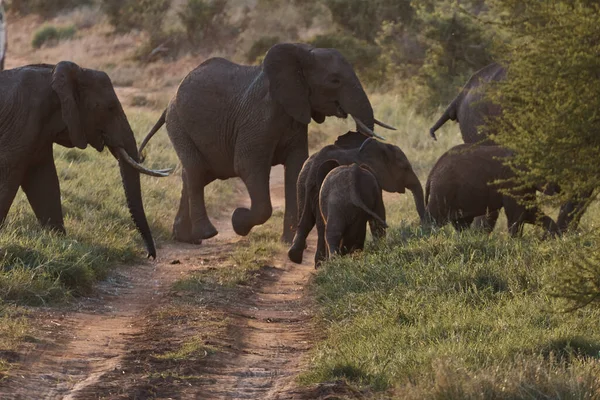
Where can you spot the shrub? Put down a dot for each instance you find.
(146, 15)
(204, 19)
(51, 34)
(260, 47)
(44, 8)
(363, 56)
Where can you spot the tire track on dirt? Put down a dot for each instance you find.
(270, 329)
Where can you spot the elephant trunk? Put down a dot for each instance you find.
(133, 192)
(354, 101)
(414, 185)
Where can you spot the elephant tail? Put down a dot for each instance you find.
(155, 128)
(427, 190)
(372, 214)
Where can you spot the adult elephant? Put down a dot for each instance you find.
(229, 120)
(72, 106)
(471, 109)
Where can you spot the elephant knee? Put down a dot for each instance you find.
(263, 213)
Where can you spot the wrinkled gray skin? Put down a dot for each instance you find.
(387, 162)
(229, 120)
(349, 198)
(2, 36)
(72, 106)
(470, 108)
(458, 190)
(472, 112)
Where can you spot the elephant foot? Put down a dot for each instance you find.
(295, 253)
(206, 230)
(178, 236)
(241, 221)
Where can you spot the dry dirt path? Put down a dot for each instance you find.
(84, 349)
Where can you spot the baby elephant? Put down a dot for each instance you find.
(460, 187)
(349, 198)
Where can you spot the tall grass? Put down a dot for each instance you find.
(436, 314)
(37, 266)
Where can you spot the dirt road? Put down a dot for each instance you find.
(110, 345)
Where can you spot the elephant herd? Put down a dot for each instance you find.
(229, 120)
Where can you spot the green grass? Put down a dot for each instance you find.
(51, 33)
(436, 314)
(37, 267)
(13, 329)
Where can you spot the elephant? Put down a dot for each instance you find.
(471, 109)
(72, 106)
(229, 120)
(350, 196)
(388, 163)
(467, 182)
(2, 37)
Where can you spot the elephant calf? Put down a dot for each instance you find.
(349, 198)
(461, 187)
(388, 163)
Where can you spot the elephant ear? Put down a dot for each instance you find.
(350, 140)
(324, 169)
(284, 64)
(64, 84)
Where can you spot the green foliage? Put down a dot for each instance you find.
(414, 310)
(44, 8)
(260, 47)
(203, 19)
(363, 18)
(125, 15)
(363, 56)
(49, 34)
(550, 97)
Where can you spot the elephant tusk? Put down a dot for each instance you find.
(384, 125)
(362, 128)
(126, 157)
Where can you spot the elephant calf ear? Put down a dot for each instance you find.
(283, 65)
(325, 168)
(64, 83)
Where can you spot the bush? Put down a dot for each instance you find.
(51, 34)
(204, 19)
(146, 15)
(45, 8)
(363, 56)
(260, 47)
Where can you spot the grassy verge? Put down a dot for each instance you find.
(444, 315)
(13, 329)
(37, 267)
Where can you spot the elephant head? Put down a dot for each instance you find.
(317, 83)
(92, 114)
(392, 169)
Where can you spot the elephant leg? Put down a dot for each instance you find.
(461, 224)
(570, 213)
(8, 190)
(354, 237)
(192, 224)
(293, 166)
(305, 225)
(42, 189)
(321, 251)
(257, 183)
(487, 223)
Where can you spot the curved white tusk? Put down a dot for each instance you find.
(365, 129)
(126, 157)
(384, 125)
